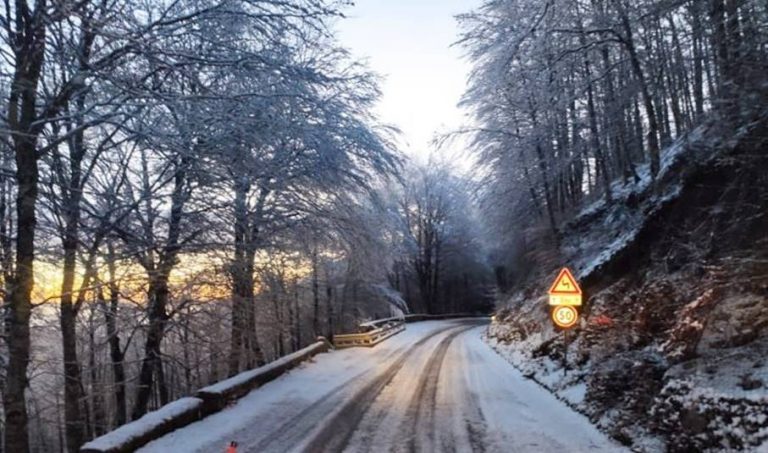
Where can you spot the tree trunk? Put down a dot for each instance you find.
(241, 283)
(720, 44)
(638, 128)
(113, 337)
(20, 308)
(628, 41)
(297, 316)
(19, 311)
(254, 356)
(329, 309)
(436, 273)
(593, 131)
(22, 116)
(548, 201)
(698, 56)
(98, 414)
(73, 395)
(243, 338)
(280, 348)
(158, 298)
(733, 32)
(315, 295)
(162, 384)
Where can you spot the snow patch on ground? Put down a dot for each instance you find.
(568, 386)
(575, 394)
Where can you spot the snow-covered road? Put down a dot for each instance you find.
(435, 387)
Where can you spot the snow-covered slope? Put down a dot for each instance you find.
(670, 352)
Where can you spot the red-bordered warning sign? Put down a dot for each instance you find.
(565, 316)
(565, 283)
(565, 290)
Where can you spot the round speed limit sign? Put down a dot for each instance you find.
(565, 316)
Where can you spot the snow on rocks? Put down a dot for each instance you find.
(684, 337)
(699, 419)
(718, 400)
(668, 376)
(602, 231)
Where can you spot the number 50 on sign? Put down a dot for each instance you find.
(565, 316)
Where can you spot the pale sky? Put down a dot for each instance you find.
(408, 42)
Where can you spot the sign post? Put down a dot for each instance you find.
(564, 296)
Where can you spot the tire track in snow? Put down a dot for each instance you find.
(474, 419)
(336, 431)
(420, 416)
(381, 429)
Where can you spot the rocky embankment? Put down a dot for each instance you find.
(671, 350)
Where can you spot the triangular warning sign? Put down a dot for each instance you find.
(565, 283)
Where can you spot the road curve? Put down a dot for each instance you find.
(437, 387)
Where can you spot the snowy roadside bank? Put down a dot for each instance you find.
(568, 387)
(670, 351)
(715, 402)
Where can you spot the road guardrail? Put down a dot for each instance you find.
(204, 402)
(374, 332)
(371, 337)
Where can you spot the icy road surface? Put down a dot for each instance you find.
(437, 387)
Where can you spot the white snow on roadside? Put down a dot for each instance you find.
(538, 416)
(575, 394)
(480, 396)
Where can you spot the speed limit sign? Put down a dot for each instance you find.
(565, 316)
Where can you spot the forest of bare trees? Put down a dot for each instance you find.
(576, 99)
(158, 157)
(442, 268)
(192, 188)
